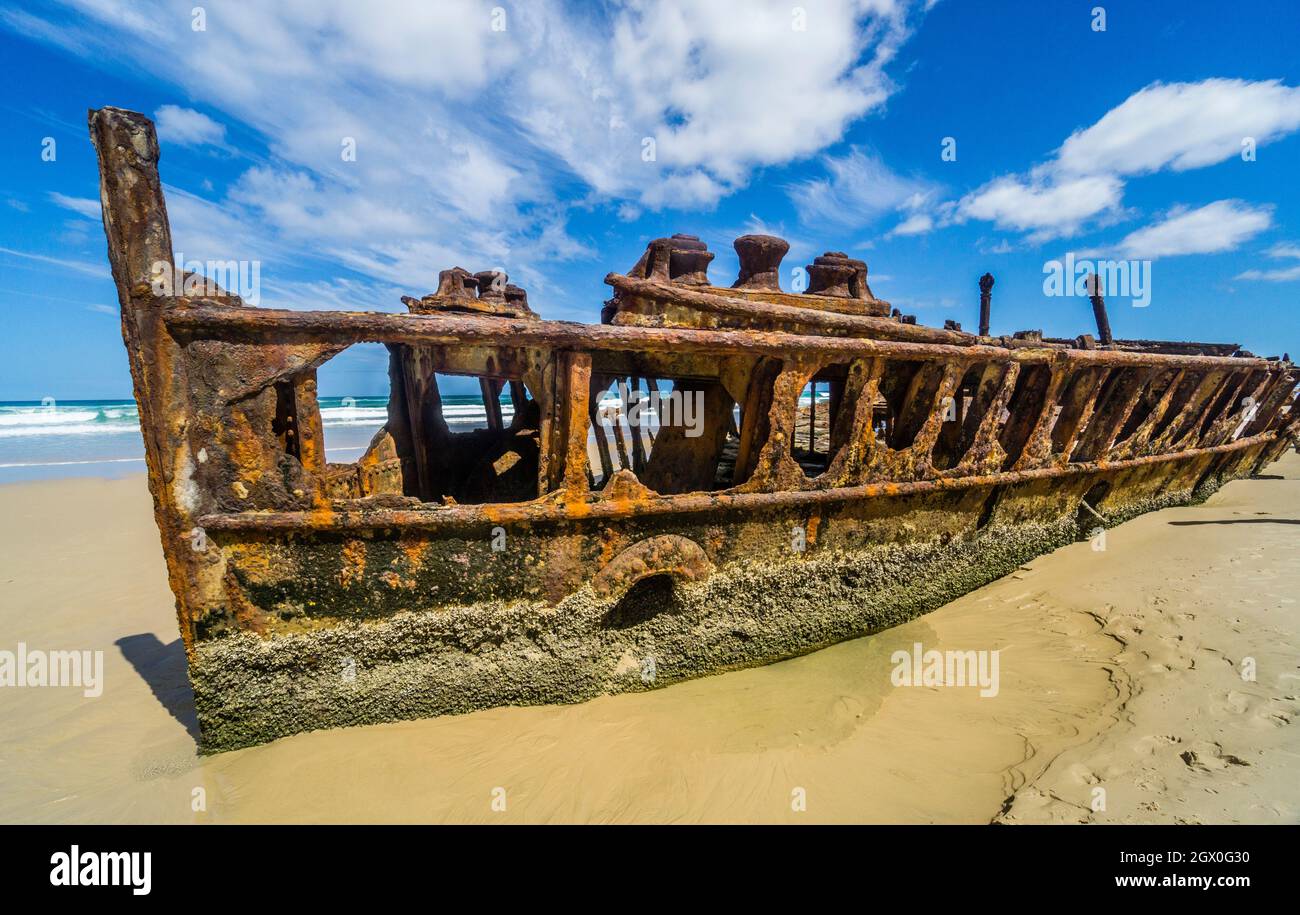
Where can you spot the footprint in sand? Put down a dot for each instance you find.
(1126, 629)
(1208, 756)
(1149, 745)
(1232, 702)
(1034, 806)
(1170, 660)
(1278, 713)
(1273, 718)
(1148, 780)
(1082, 775)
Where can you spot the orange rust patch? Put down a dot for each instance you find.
(814, 521)
(255, 562)
(353, 570)
(414, 551)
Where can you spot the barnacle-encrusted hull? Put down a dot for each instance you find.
(566, 551)
(877, 563)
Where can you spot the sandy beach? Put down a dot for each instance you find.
(1120, 669)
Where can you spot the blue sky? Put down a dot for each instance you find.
(521, 148)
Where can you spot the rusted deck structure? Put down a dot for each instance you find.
(846, 469)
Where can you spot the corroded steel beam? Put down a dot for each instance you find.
(346, 327)
(444, 517)
(139, 239)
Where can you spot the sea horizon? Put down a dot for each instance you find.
(100, 437)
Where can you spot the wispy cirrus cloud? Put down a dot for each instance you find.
(1279, 251)
(83, 267)
(858, 190)
(1284, 249)
(83, 206)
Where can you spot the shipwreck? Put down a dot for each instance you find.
(847, 469)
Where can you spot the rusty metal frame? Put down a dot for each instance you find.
(450, 516)
(803, 355)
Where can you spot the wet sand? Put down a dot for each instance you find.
(1119, 669)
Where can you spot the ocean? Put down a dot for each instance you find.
(101, 438)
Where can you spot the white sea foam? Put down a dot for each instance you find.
(133, 460)
(22, 420)
(36, 421)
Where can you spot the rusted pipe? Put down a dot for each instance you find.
(986, 297)
(1099, 311)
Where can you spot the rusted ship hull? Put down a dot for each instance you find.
(553, 558)
(872, 563)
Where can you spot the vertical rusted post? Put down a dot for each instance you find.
(140, 243)
(634, 428)
(986, 298)
(430, 434)
(576, 393)
(837, 397)
(812, 416)
(755, 416)
(598, 430)
(491, 389)
(1099, 310)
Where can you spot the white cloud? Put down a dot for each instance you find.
(1215, 227)
(1182, 126)
(83, 267)
(734, 85)
(1284, 249)
(1045, 208)
(1178, 126)
(1282, 275)
(1002, 246)
(1280, 251)
(718, 89)
(916, 224)
(187, 127)
(859, 189)
(82, 205)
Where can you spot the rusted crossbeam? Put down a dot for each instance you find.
(277, 326)
(451, 516)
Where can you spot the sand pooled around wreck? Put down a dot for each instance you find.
(1120, 698)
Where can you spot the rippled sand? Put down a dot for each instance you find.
(1119, 669)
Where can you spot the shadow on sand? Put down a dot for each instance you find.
(163, 668)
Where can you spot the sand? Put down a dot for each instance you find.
(1119, 669)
